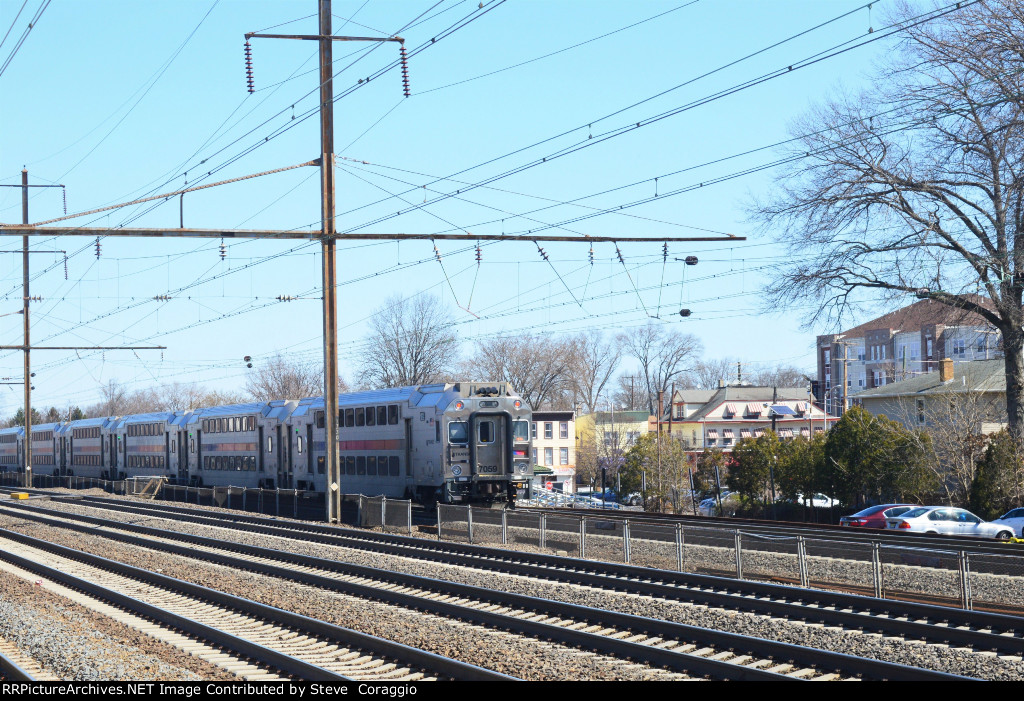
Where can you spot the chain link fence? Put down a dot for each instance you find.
(389, 515)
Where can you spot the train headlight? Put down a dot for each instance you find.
(521, 466)
(456, 470)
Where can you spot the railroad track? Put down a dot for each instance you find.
(789, 529)
(250, 639)
(15, 666)
(680, 647)
(980, 631)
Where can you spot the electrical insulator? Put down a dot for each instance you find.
(619, 254)
(247, 358)
(541, 251)
(162, 298)
(405, 69)
(690, 260)
(248, 68)
(479, 256)
(285, 298)
(684, 312)
(437, 253)
(591, 255)
(664, 252)
(97, 246)
(223, 250)
(248, 365)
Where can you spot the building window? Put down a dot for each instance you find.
(563, 429)
(563, 456)
(548, 433)
(920, 412)
(533, 430)
(959, 347)
(549, 456)
(632, 437)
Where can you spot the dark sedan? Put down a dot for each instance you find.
(874, 516)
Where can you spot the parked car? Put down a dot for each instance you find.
(709, 507)
(875, 516)
(633, 499)
(818, 501)
(948, 521)
(1014, 519)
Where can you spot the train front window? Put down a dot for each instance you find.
(521, 431)
(486, 431)
(458, 432)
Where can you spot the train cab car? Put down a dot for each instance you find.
(244, 445)
(11, 440)
(45, 450)
(373, 447)
(144, 442)
(483, 430)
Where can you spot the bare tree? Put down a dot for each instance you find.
(917, 185)
(779, 376)
(663, 356)
(537, 366)
(706, 374)
(592, 362)
(282, 378)
(412, 343)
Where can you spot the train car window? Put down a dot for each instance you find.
(192, 445)
(350, 465)
(319, 419)
(486, 431)
(382, 415)
(371, 465)
(298, 444)
(172, 447)
(252, 423)
(392, 414)
(458, 432)
(393, 466)
(360, 417)
(349, 418)
(521, 431)
(320, 465)
(238, 462)
(437, 431)
(371, 416)
(360, 464)
(270, 444)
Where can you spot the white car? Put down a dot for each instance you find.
(947, 521)
(1014, 519)
(818, 501)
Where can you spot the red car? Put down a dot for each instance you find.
(874, 516)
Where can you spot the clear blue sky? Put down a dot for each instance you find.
(118, 100)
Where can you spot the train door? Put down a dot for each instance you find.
(289, 467)
(113, 455)
(65, 455)
(490, 445)
(182, 458)
(280, 461)
(260, 452)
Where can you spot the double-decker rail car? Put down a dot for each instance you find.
(86, 447)
(243, 445)
(46, 457)
(144, 442)
(10, 449)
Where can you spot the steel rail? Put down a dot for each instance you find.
(406, 654)
(794, 529)
(820, 659)
(11, 672)
(979, 629)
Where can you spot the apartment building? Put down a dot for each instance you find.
(903, 344)
(553, 434)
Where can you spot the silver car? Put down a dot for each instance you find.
(947, 520)
(1014, 519)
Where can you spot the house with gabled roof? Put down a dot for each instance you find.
(719, 418)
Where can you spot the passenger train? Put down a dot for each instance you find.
(465, 442)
